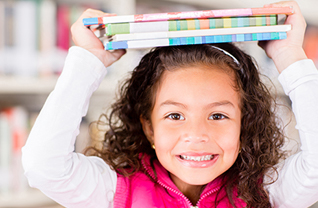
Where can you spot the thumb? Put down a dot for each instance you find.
(113, 56)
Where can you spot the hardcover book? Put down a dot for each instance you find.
(187, 15)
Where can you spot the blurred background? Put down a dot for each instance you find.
(34, 39)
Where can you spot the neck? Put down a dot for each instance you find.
(192, 192)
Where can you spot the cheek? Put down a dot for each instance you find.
(230, 141)
(165, 138)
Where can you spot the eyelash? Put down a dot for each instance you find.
(174, 114)
(216, 116)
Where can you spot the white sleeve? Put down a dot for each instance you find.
(297, 185)
(48, 158)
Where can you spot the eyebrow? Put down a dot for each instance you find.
(211, 105)
(220, 103)
(170, 102)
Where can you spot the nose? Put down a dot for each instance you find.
(195, 132)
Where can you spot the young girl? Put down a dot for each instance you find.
(193, 127)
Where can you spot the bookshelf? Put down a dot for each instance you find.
(31, 58)
(29, 67)
(30, 85)
(32, 198)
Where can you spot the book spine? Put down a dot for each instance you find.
(48, 17)
(2, 23)
(2, 39)
(63, 25)
(195, 40)
(188, 15)
(195, 24)
(47, 36)
(25, 38)
(9, 24)
(13, 135)
(207, 32)
(120, 28)
(5, 154)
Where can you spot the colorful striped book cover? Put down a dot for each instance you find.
(190, 24)
(195, 33)
(194, 40)
(188, 15)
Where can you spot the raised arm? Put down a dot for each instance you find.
(297, 184)
(86, 39)
(49, 160)
(287, 51)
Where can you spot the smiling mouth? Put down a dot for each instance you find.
(197, 158)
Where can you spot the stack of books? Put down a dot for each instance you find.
(187, 28)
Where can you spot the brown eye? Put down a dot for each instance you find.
(175, 116)
(217, 116)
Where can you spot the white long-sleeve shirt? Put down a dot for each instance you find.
(75, 180)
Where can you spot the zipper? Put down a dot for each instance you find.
(205, 195)
(168, 187)
(178, 193)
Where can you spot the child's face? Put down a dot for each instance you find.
(196, 116)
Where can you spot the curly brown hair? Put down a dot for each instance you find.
(261, 137)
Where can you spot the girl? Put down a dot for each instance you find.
(193, 127)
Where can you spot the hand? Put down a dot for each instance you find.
(85, 38)
(287, 51)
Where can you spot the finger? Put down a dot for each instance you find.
(117, 54)
(296, 19)
(89, 13)
(109, 15)
(93, 13)
(261, 44)
(291, 4)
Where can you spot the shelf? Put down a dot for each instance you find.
(32, 198)
(32, 85)
(24, 85)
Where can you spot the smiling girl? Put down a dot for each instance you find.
(193, 127)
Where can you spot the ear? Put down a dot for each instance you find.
(147, 128)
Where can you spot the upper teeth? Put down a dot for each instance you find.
(199, 158)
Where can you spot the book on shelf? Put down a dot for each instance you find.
(13, 135)
(35, 37)
(189, 24)
(2, 23)
(187, 15)
(25, 37)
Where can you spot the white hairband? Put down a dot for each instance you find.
(227, 53)
(234, 59)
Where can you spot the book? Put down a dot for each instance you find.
(25, 38)
(2, 39)
(195, 33)
(9, 23)
(194, 40)
(187, 15)
(2, 23)
(311, 44)
(63, 25)
(47, 38)
(13, 135)
(189, 24)
(5, 153)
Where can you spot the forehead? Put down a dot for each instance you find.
(197, 82)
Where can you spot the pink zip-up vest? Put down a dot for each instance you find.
(140, 191)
